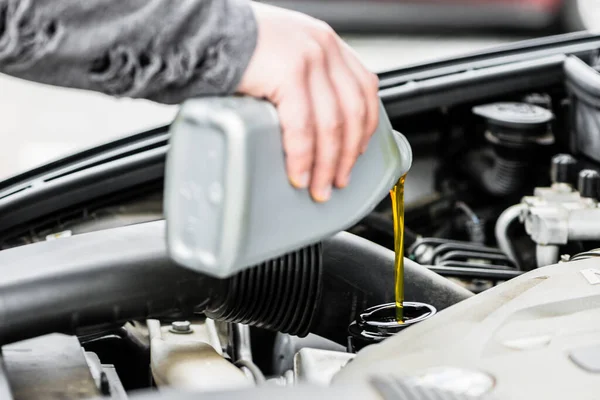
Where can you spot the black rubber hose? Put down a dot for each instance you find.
(124, 273)
(384, 224)
(93, 279)
(475, 226)
(500, 177)
(463, 270)
(279, 295)
(115, 275)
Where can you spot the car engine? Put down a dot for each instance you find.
(502, 247)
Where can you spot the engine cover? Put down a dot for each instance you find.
(534, 337)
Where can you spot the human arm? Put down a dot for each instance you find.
(170, 50)
(161, 50)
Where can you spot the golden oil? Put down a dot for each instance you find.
(397, 194)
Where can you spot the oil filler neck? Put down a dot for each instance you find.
(379, 322)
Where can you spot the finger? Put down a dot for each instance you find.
(370, 86)
(298, 126)
(373, 107)
(329, 127)
(354, 111)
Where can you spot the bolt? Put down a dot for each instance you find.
(104, 384)
(181, 327)
(565, 258)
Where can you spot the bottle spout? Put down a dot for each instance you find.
(406, 156)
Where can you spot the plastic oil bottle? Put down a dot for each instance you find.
(228, 202)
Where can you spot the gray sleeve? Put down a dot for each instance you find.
(163, 50)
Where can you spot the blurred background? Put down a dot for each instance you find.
(40, 123)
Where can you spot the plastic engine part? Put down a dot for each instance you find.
(520, 123)
(544, 322)
(563, 169)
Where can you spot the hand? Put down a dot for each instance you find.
(327, 101)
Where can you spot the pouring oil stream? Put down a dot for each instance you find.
(397, 195)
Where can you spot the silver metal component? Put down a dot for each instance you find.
(286, 347)
(5, 392)
(106, 378)
(242, 346)
(95, 366)
(424, 254)
(594, 253)
(546, 255)
(193, 361)
(547, 225)
(117, 389)
(242, 349)
(181, 327)
(52, 366)
(286, 379)
(558, 193)
(318, 367)
(55, 366)
(583, 224)
(554, 216)
(59, 235)
(289, 377)
(559, 224)
(509, 216)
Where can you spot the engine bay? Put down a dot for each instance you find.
(502, 244)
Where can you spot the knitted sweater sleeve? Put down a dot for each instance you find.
(162, 50)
